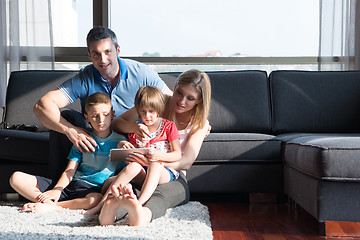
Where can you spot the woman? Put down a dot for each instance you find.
(189, 109)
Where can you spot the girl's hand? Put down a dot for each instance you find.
(154, 155)
(51, 195)
(139, 158)
(125, 145)
(142, 133)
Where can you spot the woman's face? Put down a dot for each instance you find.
(185, 97)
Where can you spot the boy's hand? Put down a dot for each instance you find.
(125, 145)
(51, 195)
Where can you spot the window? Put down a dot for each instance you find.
(209, 35)
(227, 28)
(72, 19)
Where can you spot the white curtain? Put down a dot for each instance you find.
(26, 39)
(339, 47)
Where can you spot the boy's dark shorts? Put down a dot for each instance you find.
(75, 189)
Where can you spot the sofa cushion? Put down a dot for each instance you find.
(315, 102)
(325, 156)
(239, 103)
(239, 148)
(23, 146)
(25, 88)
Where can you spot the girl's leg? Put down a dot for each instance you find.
(156, 174)
(137, 214)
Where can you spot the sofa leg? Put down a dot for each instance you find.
(340, 229)
(255, 198)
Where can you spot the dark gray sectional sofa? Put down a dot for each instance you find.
(292, 132)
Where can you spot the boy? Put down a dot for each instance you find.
(79, 186)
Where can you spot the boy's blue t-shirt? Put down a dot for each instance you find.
(95, 168)
(133, 76)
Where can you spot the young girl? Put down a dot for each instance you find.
(188, 108)
(163, 142)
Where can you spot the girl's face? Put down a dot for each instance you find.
(185, 97)
(148, 115)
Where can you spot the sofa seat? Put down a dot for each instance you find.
(240, 147)
(237, 162)
(23, 146)
(331, 157)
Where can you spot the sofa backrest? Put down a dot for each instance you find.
(25, 88)
(315, 102)
(240, 101)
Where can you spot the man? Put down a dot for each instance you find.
(119, 78)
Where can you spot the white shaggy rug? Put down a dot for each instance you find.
(190, 221)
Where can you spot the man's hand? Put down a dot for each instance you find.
(81, 139)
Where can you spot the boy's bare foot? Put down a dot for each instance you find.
(137, 214)
(92, 211)
(40, 207)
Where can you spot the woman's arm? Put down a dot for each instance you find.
(191, 149)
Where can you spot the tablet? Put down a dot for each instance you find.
(120, 154)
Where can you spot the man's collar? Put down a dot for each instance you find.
(123, 69)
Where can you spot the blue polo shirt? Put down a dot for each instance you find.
(133, 76)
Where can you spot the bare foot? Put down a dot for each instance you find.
(92, 211)
(40, 207)
(137, 214)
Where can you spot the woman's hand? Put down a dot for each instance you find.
(139, 158)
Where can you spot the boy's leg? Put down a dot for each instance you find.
(124, 177)
(155, 173)
(26, 185)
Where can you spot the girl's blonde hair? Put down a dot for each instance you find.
(201, 82)
(150, 96)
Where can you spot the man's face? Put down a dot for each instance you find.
(103, 55)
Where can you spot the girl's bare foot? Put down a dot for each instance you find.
(137, 214)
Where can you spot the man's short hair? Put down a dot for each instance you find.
(100, 32)
(97, 98)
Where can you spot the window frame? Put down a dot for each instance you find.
(101, 16)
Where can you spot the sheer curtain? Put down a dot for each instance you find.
(26, 39)
(339, 47)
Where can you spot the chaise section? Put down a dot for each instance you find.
(317, 116)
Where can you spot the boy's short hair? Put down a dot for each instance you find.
(150, 96)
(97, 98)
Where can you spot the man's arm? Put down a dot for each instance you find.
(47, 110)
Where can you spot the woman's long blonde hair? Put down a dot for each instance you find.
(200, 112)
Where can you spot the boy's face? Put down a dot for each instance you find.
(148, 115)
(100, 116)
